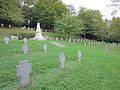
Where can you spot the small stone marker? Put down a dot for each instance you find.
(12, 37)
(78, 40)
(57, 39)
(66, 39)
(6, 40)
(25, 49)
(62, 60)
(23, 70)
(45, 47)
(2, 25)
(25, 40)
(9, 26)
(79, 55)
(69, 40)
(61, 39)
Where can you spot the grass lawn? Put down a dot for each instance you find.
(98, 69)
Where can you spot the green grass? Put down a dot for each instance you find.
(98, 70)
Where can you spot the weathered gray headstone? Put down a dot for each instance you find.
(23, 70)
(25, 40)
(79, 55)
(25, 49)
(62, 60)
(6, 40)
(45, 47)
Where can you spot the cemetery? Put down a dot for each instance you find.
(46, 45)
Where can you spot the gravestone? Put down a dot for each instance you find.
(6, 40)
(9, 26)
(25, 49)
(25, 40)
(78, 40)
(62, 60)
(12, 37)
(79, 55)
(66, 39)
(61, 39)
(57, 39)
(45, 47)
(23, 70)
(69, 40)
(2, 25)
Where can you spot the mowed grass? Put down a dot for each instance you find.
(98, 69)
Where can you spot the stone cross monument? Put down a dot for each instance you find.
(62, 60)
(23, 70)
(38, 35)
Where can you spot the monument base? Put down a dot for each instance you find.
(38, 36)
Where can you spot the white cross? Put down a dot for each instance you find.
(79, 55)
(62, 60)
(45, 48)
(23, 70)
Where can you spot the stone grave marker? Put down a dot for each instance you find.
(6, 40)
(23, 70)
(66, 39)
(12, 37)
(25, 40)
(9, 26)
(79, 55)
(2, 25)
(61, 39)
(45, 47)
(69, 40)
(62, 60)
(25, 49)
(56, 38)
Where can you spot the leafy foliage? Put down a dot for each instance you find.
(10, 12)
(69, 25)
(46, 11)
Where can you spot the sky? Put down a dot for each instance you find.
(101, 5)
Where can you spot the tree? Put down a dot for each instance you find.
(93, 23)
(114, 30)
(10, 12)
(69, 25)
(46, 11)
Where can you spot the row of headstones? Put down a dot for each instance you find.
(24, 27)
(109, 46)
(2, 25)
(7, 39)
(85, 41)
(24, 68)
